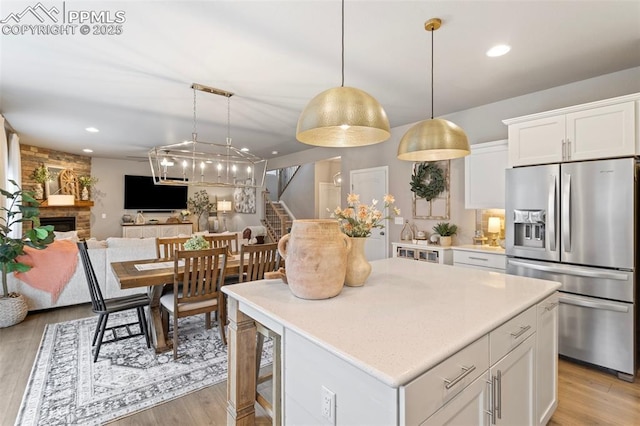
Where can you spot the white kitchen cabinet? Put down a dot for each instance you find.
(484, 175)
(603, 129)
(470, 407)
(423, 252)
(488, 259)
(444, 383)
(157, 231)
(359, 397)
(547, 359)
(538, 141)
(514, 385)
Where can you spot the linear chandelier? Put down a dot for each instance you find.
(198, 163)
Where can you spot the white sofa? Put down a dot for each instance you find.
(102, 253)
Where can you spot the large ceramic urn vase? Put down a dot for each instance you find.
(315, 253)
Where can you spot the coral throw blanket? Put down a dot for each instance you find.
(51, 268)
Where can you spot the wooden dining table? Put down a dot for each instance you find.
(159, 274)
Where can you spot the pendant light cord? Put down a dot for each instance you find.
(432, 31)
(342, 85)
(194, 133)
(228, 120)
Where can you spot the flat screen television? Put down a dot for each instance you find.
(140, 193)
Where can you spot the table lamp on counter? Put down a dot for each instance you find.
(224, 207)
(494, 228)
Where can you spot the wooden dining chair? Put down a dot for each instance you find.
(104, 308)
(224, 240)
(255, 260)
(198, 291)
(166, 246)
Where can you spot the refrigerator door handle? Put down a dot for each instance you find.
(566, 213)
(551, 218)
(578, 272)
(567, 300)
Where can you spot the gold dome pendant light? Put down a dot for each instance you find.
(343, 116)
(434, 139)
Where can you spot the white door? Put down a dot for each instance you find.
(372, 184)
(328, 198)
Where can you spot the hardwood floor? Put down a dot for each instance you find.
(587, 395)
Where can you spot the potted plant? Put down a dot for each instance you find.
(23, 207)
(199, 204)
(41, 175)
(86, 182)
(446, 231)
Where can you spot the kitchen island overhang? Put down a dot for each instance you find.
(407, 318)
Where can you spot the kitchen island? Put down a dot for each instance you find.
(415, 340)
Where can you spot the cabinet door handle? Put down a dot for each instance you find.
(465, 372)
(491, 399)
(551, 306)
(564, 150)
(499, 392)
(479, 258)
(523, 329)
(494, 397)
(568, 149)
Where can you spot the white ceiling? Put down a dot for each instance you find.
(277, 55)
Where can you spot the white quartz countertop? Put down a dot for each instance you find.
(408, 317)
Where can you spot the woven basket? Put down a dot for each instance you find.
(13, 310)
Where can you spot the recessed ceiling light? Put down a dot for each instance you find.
(87, 150)
(92, 130)
(244, 149)
(498, 50)
(274, 152)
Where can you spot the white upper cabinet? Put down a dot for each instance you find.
(484, 171)
(603, 129)
(602, 132)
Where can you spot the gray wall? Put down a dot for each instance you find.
(300, 193)
(482, 124)
(109, 198)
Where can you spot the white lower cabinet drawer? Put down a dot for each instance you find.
(512, 333)
(469, 407)
(426, 394)
(488, 260)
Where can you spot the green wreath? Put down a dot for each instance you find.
(435, 176)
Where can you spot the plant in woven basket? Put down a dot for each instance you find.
(22, 208)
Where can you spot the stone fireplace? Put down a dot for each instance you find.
(32, 157)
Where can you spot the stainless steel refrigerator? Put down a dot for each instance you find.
(576, 223)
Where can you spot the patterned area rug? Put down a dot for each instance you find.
(66, 387)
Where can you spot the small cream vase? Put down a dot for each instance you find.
(358, 268)
(315, 253)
